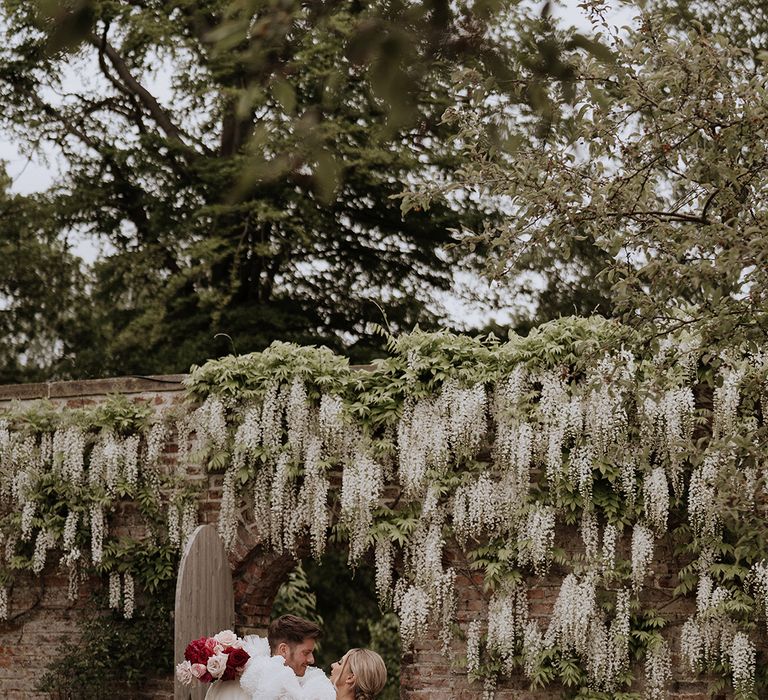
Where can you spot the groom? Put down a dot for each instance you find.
(294, 638)
(285, 670)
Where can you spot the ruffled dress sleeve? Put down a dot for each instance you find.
(316, 685)
(267, 677)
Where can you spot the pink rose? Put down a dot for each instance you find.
(226, 638)
(217, 665)
(210, 646)
(184, 672)
(198, 670)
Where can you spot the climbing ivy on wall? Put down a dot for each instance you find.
(500, 449)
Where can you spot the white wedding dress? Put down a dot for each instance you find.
(226, 690)
(268, 678)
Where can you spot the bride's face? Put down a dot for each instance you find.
(340, 673)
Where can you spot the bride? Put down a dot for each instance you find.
(359, 675)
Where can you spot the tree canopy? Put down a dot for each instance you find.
(652, 170)
(241, 175)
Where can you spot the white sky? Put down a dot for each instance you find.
(33, 174)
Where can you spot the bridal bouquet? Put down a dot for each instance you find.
(208, 659)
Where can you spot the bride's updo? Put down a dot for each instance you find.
(369, 671)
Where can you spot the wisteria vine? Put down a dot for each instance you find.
(456, 455)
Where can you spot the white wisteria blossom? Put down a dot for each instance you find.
(477, 508)
(384, 561)
(422, 444)
(642, 554)
(412, 606)
(248, 435)
(534, 646)
(656, 500)
(703, 513)
(227, 526)
(111, 455)
(537, 538)
(297, 418)
(98, 532)
(510, 392)
(759, 585)
(70, 529)
(188, 521)
(578, 626)
(507, 620)
(184, 427)
(5, 433)
(706, 637)
(610, 536)
(331, 423)
(282, 502)
(628, 478)
(71, 561)
(69, 448)
(272, 416)
(555, 412)
(443, 605)
(658, 671)
(4, 606)
(156, 441)
(466, 413)
(474, 632)
(580, 474)
(131, 460)
(129, 596)
(590, 533)
(43, 543)
(605, 416)
(362, 482)
(174, 531)
(725, 401)
(571, 615)
(666, 426)
(27, 516)
(742, 661)
(115, 590)
(210, 423)
(313, 497)
(513, 455)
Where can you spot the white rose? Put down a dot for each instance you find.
(226, 637)
(217, 665)
(184, 672)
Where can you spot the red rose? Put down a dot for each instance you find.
(196, 652)
(236, 657)
(206, 677)
(229, 674)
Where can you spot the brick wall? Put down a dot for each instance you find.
(44, 621)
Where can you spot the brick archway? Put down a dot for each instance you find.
(257, 574)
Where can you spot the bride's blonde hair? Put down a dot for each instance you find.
(369, 671)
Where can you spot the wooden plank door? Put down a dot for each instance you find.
(205, 599)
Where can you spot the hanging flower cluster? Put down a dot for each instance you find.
(578, 626)
(96, 458)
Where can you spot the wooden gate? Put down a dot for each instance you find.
(205, 599)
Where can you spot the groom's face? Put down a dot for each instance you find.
(299, 656)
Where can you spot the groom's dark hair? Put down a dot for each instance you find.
(291, 629)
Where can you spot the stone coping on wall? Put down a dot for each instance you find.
(135, 384)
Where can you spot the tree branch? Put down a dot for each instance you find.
(146, 98)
